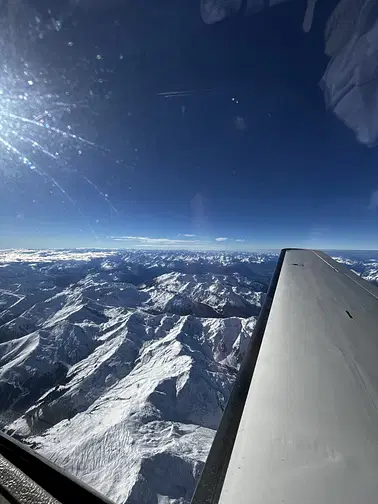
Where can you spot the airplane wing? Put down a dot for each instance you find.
(301, 425)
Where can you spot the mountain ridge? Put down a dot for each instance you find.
(123, 384)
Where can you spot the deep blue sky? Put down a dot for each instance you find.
(249, 153)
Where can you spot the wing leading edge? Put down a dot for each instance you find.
(302, 421)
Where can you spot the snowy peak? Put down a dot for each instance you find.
(129, 356)
(206, 295)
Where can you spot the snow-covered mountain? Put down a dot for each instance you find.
(118, 365)
(363, 263)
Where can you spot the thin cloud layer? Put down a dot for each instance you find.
(184, 241)
(146, 240)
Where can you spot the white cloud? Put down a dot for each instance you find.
(184, 241)
(24, 255)
(373, 205)
(148, 241)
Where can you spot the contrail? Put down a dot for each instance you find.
(177, 94)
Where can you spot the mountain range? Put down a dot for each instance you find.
(117, 365)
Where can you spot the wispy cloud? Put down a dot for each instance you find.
(183, 241)
(373, 205)
(148, 241)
